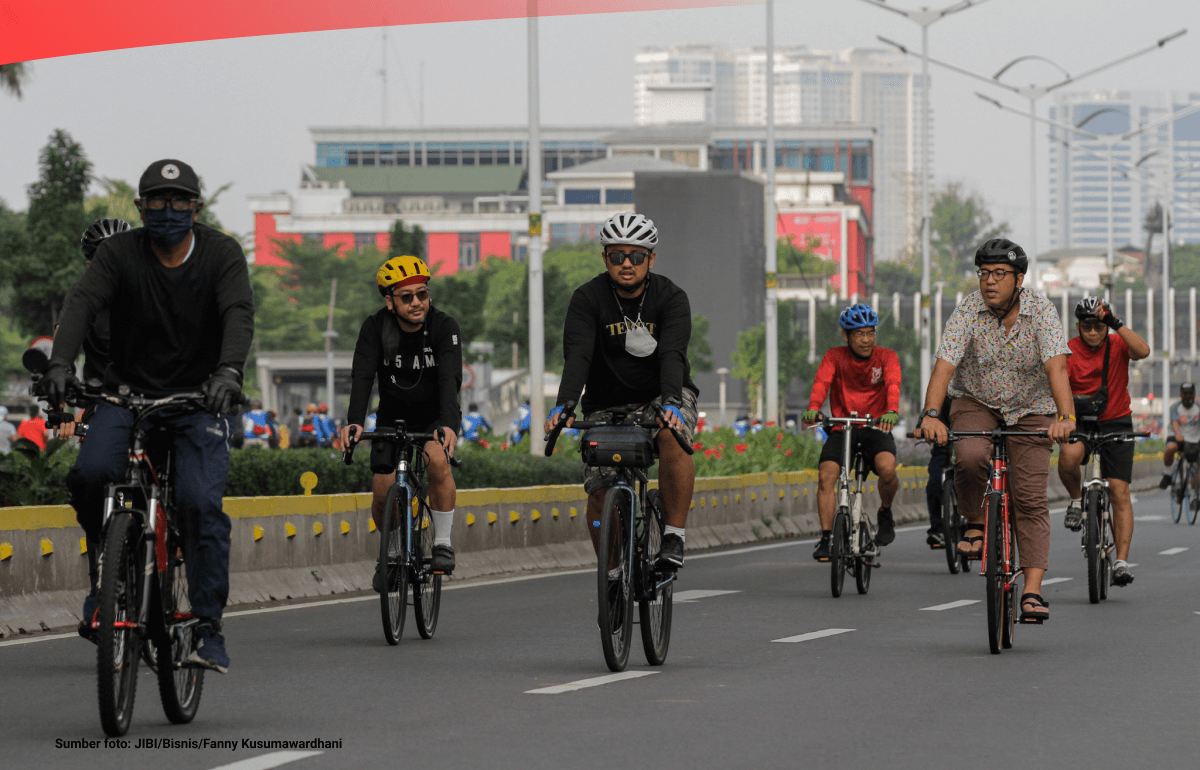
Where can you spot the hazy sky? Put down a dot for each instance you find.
(240, 110)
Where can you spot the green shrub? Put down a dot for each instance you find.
(29, 476)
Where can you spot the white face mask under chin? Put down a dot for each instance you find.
(638, 340)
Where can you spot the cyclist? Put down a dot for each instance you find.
(1003, 359)
(626, 339)
(7, 431)
(33, 429)
(256, 427)
(520, 426)
(473, 423)
(1185, 430)
(182, 318)
(867, 381)
(1091, 352)
(399, 345)
(307, 435)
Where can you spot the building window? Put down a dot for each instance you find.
(618, 196)
(468, 251)
(363, 240)
(317, 239)
(558, 232)
(581, 196)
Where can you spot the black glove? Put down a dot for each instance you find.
(53, 384)
(220, 390)
(1110, 319)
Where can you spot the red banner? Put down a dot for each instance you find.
(40, 29)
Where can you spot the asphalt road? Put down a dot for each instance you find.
(1108, 686)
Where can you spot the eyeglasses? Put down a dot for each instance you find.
(408, 297)
(1091, 326)
(178, 204)
(617, 258)
(861, 333)
(999, 273)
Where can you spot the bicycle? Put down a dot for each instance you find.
(1098, 543)
(954, 525)
(631, 527)
(999, 553)
(852, 547)
(405, 554)
(1185, 483)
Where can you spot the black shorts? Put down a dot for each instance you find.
(867, 442)
(1116, 457)
(1190, 449)
(384, 453)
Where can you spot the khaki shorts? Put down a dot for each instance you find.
(598, 477)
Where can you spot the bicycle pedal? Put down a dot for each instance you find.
(1031, 621)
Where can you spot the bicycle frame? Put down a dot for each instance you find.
(636, 489)
(850, 488)
(1000, 487)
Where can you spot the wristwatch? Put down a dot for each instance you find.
(935, 414)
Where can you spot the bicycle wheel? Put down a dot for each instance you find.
(862, 564)
(1179, 492)
(950, 529)
(1193, 491)
(839, 549)
(427, 593)
(118, 643)
(1106, 547)
(995, 580)
(614, 597)
(1008, 620)
(1092, 544)
(654, 605)
(393, 600)
(179, 686)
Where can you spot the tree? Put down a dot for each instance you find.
(795, 260)
(749, 357)
(959, 224)
(115, 203)
(700, 353)
(405, 241)
(14, 76)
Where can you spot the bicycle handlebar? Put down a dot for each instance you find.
(827, 422)
(569, 411)
(397, 435)
(1101, 438)
(955, 435)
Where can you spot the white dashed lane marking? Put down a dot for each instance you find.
(1171, 551)
(1052, 581)
(814, 635)
(1149, 518)
(683, 597)
(950, 605)
(267, 761)
(559, 689)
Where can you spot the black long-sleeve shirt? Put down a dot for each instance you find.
(170, 327)
(594, 345)
(419, 380)
(95, 345)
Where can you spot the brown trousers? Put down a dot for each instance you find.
(1028, 476)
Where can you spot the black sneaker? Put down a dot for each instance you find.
(1121, 576)
(935, 540)
(210, 653)
(1165, 481)
(1074, 518)
(377, 581)
(443, 559)
(821, 552)
(887, 527)
(89, 614)
(671, 552)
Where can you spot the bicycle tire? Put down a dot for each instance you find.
(1092, 544)
(950, 524)
(1194, 494)
(1179, 493)
(179, 686)
(118, 650)
(393, 560)
(1106, 547)
(614, 596)
(839, 547)
(654, 604)
(995, 580)
(862, 564)
(1009, 623)
(427, 594)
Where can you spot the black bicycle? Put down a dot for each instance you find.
(954, 526)
(406, 552)
(1185, 483)
(631, 527)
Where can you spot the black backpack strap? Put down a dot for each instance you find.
(1104, 368)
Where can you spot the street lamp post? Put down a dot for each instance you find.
(537, 329)
(771, 308)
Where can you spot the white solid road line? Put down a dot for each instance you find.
(950, 605)
(1052, 581)
(684, 597)
(558, 689)
(31, 640)
(267, 761)
(1171, 551)
(814, 635)
(1149, 518)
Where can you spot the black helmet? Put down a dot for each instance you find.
(97, 232)
(1087, 307)
(1188, 387)
(1002, 251)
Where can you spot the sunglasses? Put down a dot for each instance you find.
(408, 297)
(178, 204)
(617, 258)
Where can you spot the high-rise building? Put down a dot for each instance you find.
(710, 83)
(1079, 180)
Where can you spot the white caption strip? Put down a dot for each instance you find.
(267, 761)
(1171, 551)
(683, 597)
(814, 635)
(950, 605)
(559, 689)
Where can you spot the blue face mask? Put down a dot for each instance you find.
(167, 227)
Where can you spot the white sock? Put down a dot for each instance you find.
(614, 573)
(442, 521)
(1120, 563)
(669, 530)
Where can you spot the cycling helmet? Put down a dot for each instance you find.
(1087, 307)
(858, 317)
(97, 232)
(401, 271)
(1004, 252)
(322, 407)
(629, 229)
(1188, 387)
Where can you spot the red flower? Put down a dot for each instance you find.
(697, 445)
(484, 444)
(779, 446)
(779, 437)
(710, 453)
(740, 448)
(720, 446)
(787, 453)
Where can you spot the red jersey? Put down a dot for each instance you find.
(867, 386)
(1084, 366)
(34, 430)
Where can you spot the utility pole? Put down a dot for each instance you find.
(771, 308)
(330, 335)
(537, 307)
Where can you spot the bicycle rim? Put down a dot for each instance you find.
(1179, 493)
(1009, 618)
(1106, 545)
(950, 525)
(862, 564)
(117, 653)
(179, 686)
(654, 605)
(427, 594)
(393, 600)
(614, 595)
(839, 545)
(1091, 545)
(995, 580)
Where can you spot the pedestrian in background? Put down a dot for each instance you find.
(8, 431)
(34, 428)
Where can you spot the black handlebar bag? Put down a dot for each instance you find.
(620, 446)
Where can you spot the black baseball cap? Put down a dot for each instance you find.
(169, 174)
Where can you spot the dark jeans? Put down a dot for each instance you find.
(939, 461)
(201, 464)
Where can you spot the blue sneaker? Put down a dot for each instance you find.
(89, 613)
(210, 653)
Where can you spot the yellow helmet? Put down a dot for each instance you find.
(401, 271)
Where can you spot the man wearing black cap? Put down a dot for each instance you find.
(182, 317)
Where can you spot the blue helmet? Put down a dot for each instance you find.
(858, 317)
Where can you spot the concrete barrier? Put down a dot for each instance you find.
(308, 546)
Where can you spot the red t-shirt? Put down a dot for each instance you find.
(870, 386)
(34, 430)
(1084, 366)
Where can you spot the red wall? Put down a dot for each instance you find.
(495, 245)
(342, 241)
(264, 237)
(443, 253)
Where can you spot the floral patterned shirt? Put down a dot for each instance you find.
(1004, 370)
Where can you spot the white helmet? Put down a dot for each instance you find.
(629, 229)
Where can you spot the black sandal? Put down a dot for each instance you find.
(1038, 603)
(970, 540)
